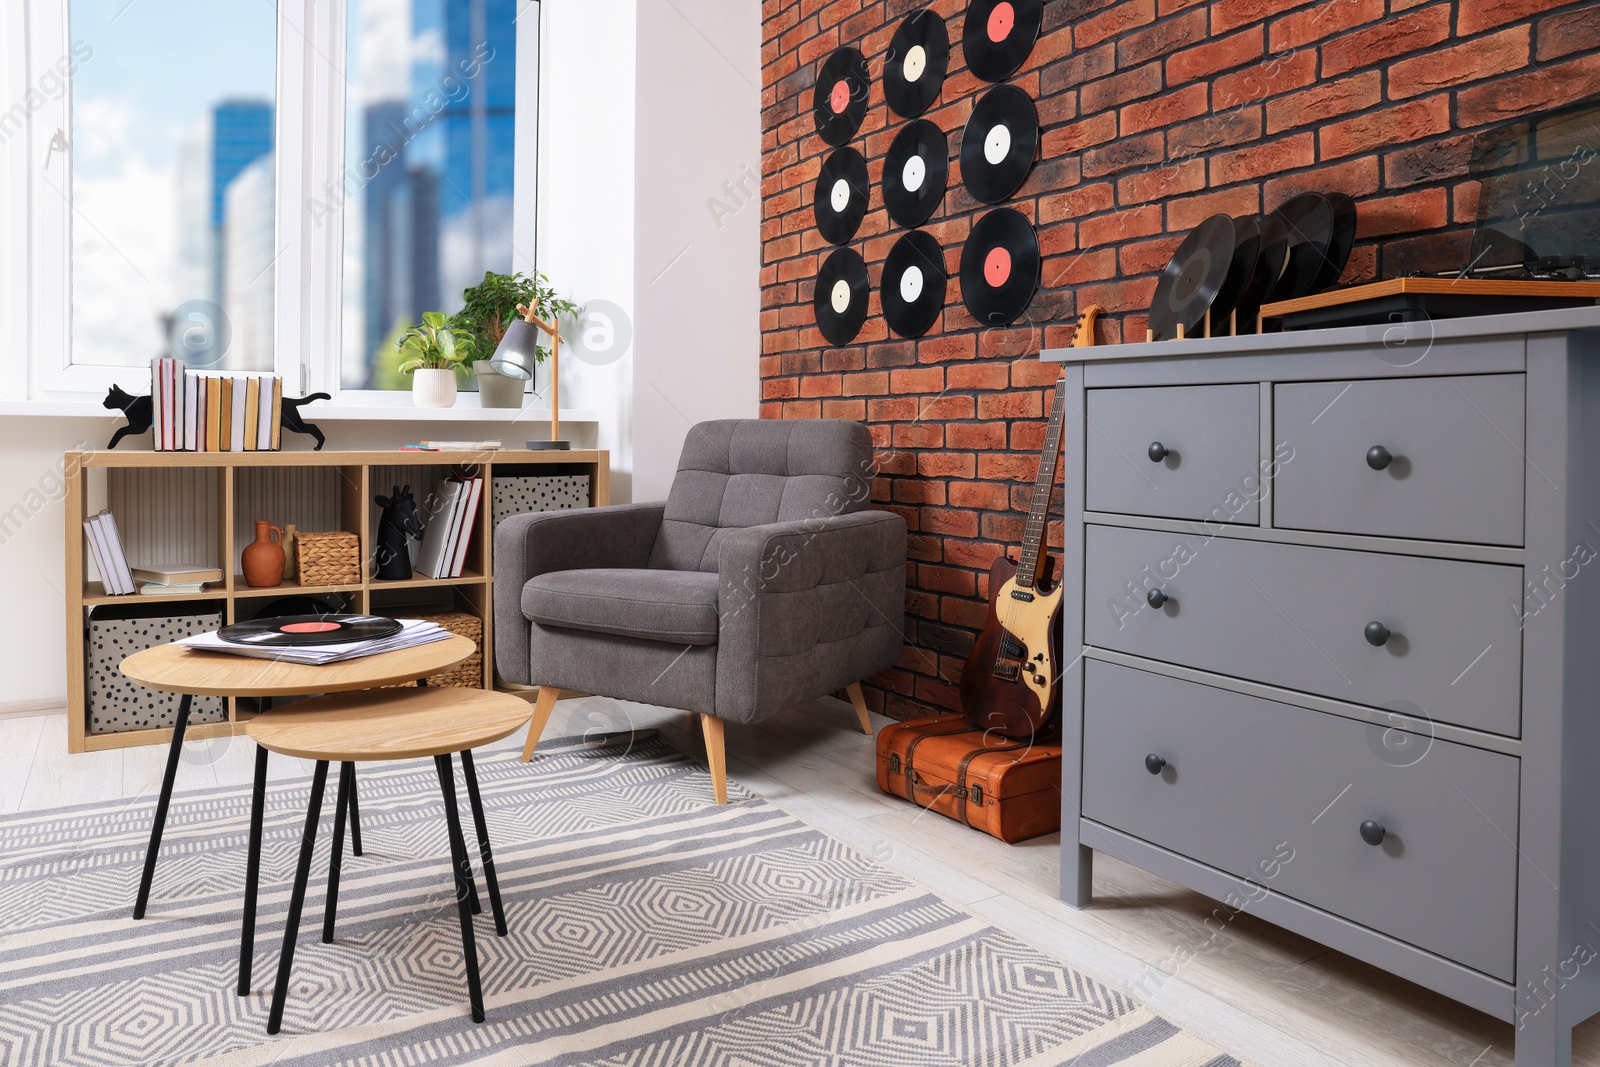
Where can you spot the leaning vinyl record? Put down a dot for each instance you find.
(999, 144)
(1273, 254)
(1341, 243)
(840, 199)
(999, 34)
(1000, 267)
(839, 102)
(288, 631)
(918, 59)
(1190, 284)
(840, 299)
(915, 171)
(1241, 270)
(914, 284)
(1309, 220)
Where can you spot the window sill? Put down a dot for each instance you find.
(365, 407)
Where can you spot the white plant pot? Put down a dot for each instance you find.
(433, 388)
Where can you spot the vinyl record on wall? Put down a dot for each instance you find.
(914, 69)
(840, 299)
(999, 34)
(914, 284)
(915, 171)
(1192, 280)
(999, 144)
(839, 102)
(1000, 267)
(840, 198)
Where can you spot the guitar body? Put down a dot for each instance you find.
(1010, 683)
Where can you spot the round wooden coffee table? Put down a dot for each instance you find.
(392, 724)
(191, 673)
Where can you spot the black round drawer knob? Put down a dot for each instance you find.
(1378, 457)
(1377, 634)
(1155, 598)
(1157, 451)
(1372, 832)
(1155, 765)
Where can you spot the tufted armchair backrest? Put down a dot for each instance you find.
(736, 473)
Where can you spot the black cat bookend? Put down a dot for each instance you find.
(140, 413)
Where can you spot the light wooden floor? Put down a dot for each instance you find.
(1265, 995)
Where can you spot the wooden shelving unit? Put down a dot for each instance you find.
(196, 506)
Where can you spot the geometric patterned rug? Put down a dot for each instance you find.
(648, 927)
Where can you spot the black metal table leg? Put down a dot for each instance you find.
(346, 781)
(459, 861)
(174, 750)
(297, 899)
(252, 872)
(481, 825)
(355, 809)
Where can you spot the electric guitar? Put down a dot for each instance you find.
(1010, 681)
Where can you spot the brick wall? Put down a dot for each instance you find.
(1155, 114)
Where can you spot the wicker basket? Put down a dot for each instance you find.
(332, 558)
(467, 675)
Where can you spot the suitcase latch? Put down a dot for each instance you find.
(975, 795)
(894, 764)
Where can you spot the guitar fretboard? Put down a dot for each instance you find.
(1039, 512)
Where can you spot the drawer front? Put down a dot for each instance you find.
(1211, 469)
(1278, 794)
(1456, 469)
(1297, 617)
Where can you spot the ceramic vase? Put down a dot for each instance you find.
(262, 559)
(433, 388)
(497, 390)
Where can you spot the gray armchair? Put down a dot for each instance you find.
(762, 582)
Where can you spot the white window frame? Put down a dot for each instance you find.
(36, 219)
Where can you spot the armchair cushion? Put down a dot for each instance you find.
(655, 605)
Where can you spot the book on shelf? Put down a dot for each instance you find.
(213, 413)
(236, 433)
(97, 551)
(469, 517)
(191, 401)
(275, 432)
(461, 446)
(437, 532)
(177, 574)
(109, 556)
(182, 589)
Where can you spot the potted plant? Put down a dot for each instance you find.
(431, 353)
(488, 309)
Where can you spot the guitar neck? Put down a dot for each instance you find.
(1043, 484)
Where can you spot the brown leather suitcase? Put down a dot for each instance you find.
(1008, 789)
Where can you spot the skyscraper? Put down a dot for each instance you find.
(247, 266)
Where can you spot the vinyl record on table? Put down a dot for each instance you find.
(915, 171)
(839, 102)
(289, 631)
(914, 69)
(840, 299)
(1273, 254)
(999, 144)
(999, 34)
(1342, 242)
(1242, 268)
(840, 199)
(1000, 267)
(1189, 285)
(1309, 220)
(914, 282)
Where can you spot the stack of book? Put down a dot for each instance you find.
(413, 632)
(166, 580)
(105, 544)
(444, 544)
(195, 412)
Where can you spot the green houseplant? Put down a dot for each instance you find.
(487, 310)
(432, 352)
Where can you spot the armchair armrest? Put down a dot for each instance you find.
(529, 545)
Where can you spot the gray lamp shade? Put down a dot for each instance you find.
(518, 351)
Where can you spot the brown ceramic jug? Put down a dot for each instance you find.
(262, 558)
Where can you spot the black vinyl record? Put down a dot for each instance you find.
(840, 299)
(1342, 242)
(1000, 267)
(918, 59)
(288, 631)
(999, 34)
(1189, 285)
(999, 144)
(1246, 250)
(1273, 254)
(1309, 220)
(840, 199)
(839, 102)
(914, 283)
(915, 171)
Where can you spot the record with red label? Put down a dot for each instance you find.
(918, 58)
(1192, 280)
(840, 199)
(840, 299)
(914, 284)
(999, 144)
(1000, 267)
(288, 631)
(839, 102)
(999, 34)
(915, 171)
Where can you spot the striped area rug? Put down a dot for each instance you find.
(648, 927)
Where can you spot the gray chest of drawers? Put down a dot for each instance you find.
(1337, 599)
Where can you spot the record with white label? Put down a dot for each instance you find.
(839, 102)
(999, 144)
(918, 58)
(1000, 267)
(840, 299)
(840, 199)
(999, 34)
(915, 172)
(914, 283)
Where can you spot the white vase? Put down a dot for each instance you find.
(433, 388)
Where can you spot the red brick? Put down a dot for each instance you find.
(1008, 342)
(919, 380)
(1093, 130)
(945, 464)
(1026, 404)
(979, 435)
(1147, 256)
(1428, 162)
(1121, 226)
(1325, 19)
(1186, 103)
(946, 580)
(1215, 55)
(949, 522)
(1113, 22)
(1325, 100)
(1426, 209)
(1120, 88)
(851, 410)
(1353, 177)
(1075, 203)
(1391, 126)
(1126, 153)
(918, 435)
(1392, 37)
(1499, 53)
(1231, 14)
(1206, 135)
(1159, 183)
(1574, 31)
(983, 495)
(1083, 267)
(1523, 94)
(1190, 211)
(1258, 161)
(1478, 15)
(977, 376)
(1277, 75)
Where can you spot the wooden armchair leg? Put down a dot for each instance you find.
(860, 702)
(716, 756)
(542, 707)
